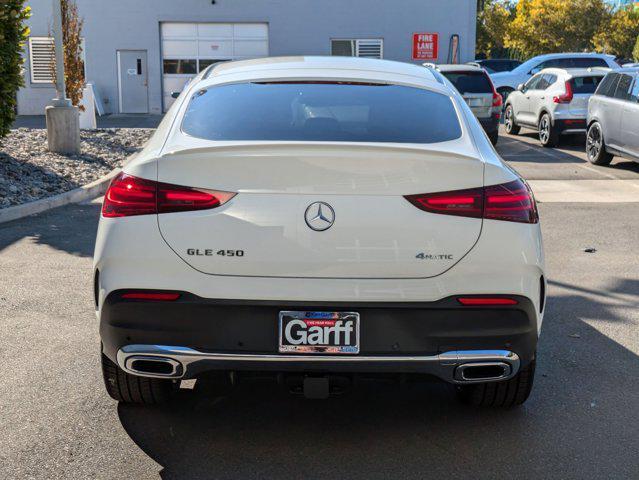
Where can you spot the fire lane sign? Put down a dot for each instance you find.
(425, 46)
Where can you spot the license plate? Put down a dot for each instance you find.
(319, 332)
(474, 102)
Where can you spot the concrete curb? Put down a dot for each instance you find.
(77, 195)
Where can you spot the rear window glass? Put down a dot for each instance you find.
(335, 112)
(469, 82)
(585, 84)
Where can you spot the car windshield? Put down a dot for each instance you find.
(321, 111)
(470, 82)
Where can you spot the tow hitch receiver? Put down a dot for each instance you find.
(316, 388)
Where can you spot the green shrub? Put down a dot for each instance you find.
(13, 33)
(635, 51)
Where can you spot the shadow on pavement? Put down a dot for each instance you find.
(58, 231)
(571, 149)
(416, 431)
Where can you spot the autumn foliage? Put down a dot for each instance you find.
(527, 28)
(72, 43)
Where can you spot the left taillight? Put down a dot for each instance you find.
(128, 195)
(510, 202)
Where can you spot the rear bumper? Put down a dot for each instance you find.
(243, 335)
(570, 125)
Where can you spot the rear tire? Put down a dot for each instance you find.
(509, 121)
(127, 388)
(596, 146)
(494, 137)
(506, 394)
(548, 135)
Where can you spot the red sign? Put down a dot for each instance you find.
(425, 46)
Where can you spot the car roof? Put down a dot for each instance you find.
(577, 72)
(456, 67)
(322, 68)
(574, 54)
(627, 70)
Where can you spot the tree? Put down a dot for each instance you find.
(635, 51)
(493, 19)
(72, 44)
(618, 36)
(13, 34)
(547, 26)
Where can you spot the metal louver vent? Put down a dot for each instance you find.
(42, 56)
(370, 48)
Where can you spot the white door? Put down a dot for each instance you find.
(132, 81)
(188, 48)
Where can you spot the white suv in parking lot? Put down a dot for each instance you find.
(553, 102)
(506, 82)
(315, 218)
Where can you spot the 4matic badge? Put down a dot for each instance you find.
(430, 256)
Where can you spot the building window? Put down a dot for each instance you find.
(369, 48)
(41, 59)
(187, 67)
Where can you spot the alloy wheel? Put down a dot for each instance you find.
(544, 129)
(593, 141)
(508, 118)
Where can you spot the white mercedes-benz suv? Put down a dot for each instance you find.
(318, 218)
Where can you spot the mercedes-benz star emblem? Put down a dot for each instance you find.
(319, 216)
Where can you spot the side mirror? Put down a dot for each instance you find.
(520, 87)
(175, 94)
(534, 71)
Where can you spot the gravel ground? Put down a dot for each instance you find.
(28, 171)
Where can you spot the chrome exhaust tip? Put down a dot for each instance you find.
(482, 372)
(152, 366)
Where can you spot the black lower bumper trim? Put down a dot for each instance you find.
(251, 327)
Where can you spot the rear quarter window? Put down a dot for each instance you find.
(469, 82)
(607, 86)
(322, 111)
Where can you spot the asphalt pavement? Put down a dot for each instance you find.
(581, 421)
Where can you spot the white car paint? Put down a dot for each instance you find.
(381, 248)
(521, 74)
(529, 104)
(289, 262)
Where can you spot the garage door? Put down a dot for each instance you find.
(188, 48)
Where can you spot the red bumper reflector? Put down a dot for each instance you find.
(479, 301)
(153, 296)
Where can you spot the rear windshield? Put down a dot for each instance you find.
(335, 112)
(470, 82)
(585, 84)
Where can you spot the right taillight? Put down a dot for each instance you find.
(566, 97)
(128, 196)
(510, 202)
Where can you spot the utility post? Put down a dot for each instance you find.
(63, 120)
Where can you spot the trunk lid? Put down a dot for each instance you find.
(267, 228)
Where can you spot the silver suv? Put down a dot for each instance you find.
(613, 118)
(554, 102)
(474, 84)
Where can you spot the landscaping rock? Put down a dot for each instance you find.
(28, 171)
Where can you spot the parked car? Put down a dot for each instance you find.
(613, 118)
(506, 82)
(314, 218)
(474, 85)
(553, 102)
(494, 65)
